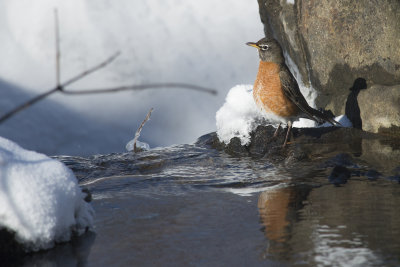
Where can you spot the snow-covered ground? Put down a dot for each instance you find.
(40, 199)
(198, 42)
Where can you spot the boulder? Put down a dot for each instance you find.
(380, 109)
(335, 42)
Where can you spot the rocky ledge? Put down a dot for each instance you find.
(336, 44)
(339, 147)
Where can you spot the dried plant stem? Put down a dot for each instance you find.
(91, 70)
(141, 87)
(139, 130)
(27, 104)
(59, 88)
(58, 54)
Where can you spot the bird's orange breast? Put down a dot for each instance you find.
(268, 93)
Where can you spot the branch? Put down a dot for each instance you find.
(139, 130)
(27, 104)
(142, 87)
(58, 88)
(58, 54)
(61, 87)
(91, 70)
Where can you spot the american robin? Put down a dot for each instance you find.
(276, 90)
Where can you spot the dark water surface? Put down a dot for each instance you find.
(195, 206)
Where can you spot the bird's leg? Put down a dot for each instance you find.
(276, 131)
(289, 124)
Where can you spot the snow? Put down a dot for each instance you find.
(239, 116)
(342, 119)
(40, 199)
(197, 42)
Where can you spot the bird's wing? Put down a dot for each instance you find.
(292, 91)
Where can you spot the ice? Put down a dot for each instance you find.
(142, 145)
(239, 116)
(40, 199)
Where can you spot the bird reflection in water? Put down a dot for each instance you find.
(278, 210)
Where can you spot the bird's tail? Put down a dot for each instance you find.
(322, 116)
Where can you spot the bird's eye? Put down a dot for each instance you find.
(264, 47)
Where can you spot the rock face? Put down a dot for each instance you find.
(380, 108)
(335, 42)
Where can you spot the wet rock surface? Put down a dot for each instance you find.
(304, 141)
(334, 43)
(343, 150)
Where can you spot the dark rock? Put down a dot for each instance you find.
(373, 174)
(343, 159)
(396, 175)
(210, 140)
(335, 42)
(261, 139)
(310, 143)
(10, 249)
(339, 175)
(235, 147)
(88, 198)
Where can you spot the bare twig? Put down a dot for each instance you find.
(141, 87)
(27, 104)
(58, 88)
(139, 130)
(58, 54)
(91, 70)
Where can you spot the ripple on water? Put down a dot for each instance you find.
(167, 194)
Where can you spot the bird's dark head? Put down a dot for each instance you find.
(269, 50)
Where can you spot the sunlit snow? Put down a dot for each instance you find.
(40, 199)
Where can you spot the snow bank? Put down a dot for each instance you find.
(239, 116)
(40, 199)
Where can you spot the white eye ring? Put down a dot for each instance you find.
(264, 47)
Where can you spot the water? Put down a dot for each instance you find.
(191, 205)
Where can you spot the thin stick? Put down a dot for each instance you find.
(58, 54)
(139, 130)
(58, 88)
(141, 87)
(91, 70)
(27, 104)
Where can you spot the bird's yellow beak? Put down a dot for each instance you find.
(252, 44)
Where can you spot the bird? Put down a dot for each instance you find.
(276, 90)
